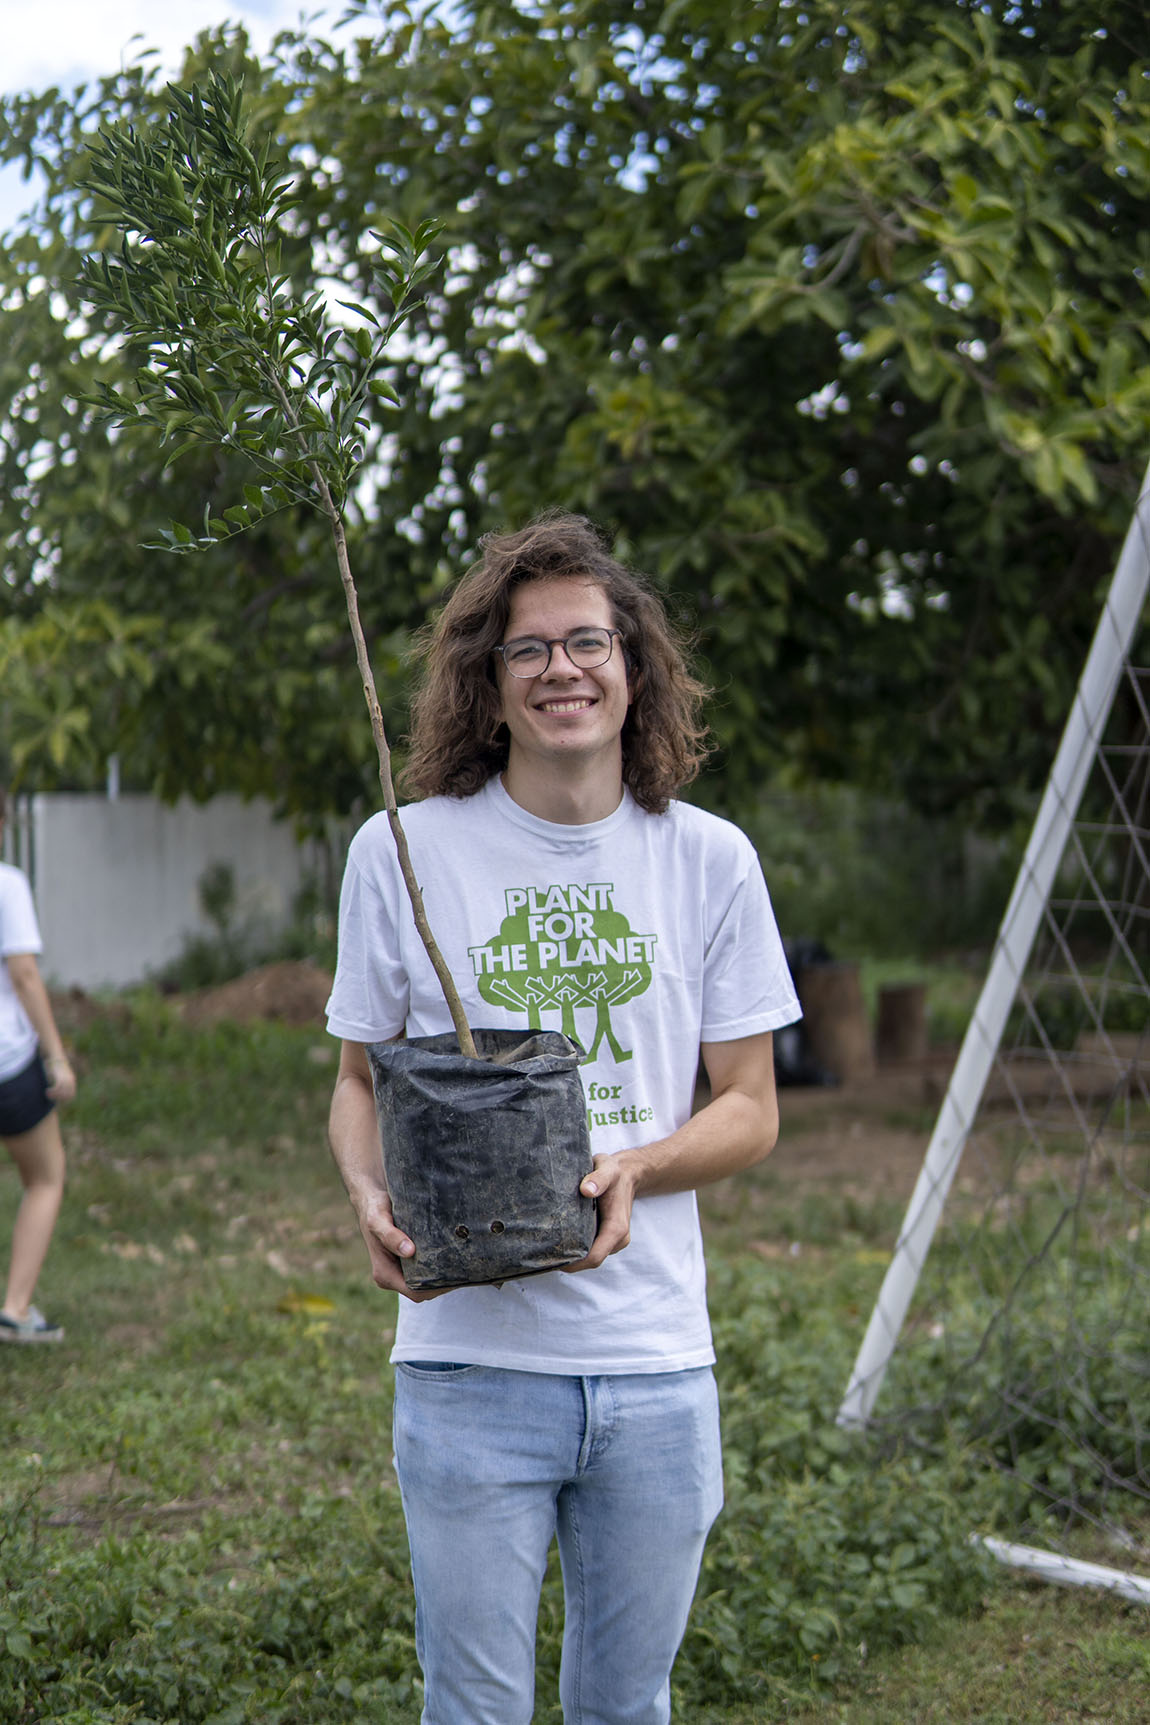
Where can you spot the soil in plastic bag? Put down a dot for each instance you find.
(483, 1158)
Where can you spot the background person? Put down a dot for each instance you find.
(35, 1074)
(556, 722)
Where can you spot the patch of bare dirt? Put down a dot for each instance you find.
(74, 1009)
(862, 1140)
(867, 1136)
(293, 992)
(92, 1500)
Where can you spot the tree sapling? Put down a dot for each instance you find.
(230, 355)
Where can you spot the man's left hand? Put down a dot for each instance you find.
(611, 1183)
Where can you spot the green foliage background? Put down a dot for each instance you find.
(835, 317)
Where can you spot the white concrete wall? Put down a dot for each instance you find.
(116, 881)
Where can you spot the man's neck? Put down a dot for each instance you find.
(570, 799)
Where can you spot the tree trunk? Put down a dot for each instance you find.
(901, 1029)
(835, 1019)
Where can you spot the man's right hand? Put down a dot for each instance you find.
(387, 1247)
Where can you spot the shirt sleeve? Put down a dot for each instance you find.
(747, 987)
(19, 930)
(370, 995)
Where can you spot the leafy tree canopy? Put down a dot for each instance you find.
(836, 315)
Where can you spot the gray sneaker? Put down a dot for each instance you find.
(34, 1328)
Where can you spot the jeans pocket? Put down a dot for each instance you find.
(433, 1368)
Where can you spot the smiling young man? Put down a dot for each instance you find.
(555, 723)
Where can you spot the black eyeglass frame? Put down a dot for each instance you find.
(558, 641)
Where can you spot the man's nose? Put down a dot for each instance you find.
(561, 666)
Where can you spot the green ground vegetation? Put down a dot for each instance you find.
(198, 1517)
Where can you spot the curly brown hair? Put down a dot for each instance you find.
(458, 739)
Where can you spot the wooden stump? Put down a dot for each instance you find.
(835, 1019)
(901, 1029)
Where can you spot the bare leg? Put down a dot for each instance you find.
(39, 1159)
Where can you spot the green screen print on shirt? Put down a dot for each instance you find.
(565, 949)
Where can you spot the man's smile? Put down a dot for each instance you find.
(565, 723)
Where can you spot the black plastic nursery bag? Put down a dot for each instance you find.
(483, 1158)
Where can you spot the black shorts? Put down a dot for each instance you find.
(24, 1100)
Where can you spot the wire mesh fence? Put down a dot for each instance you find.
(1016, 1315)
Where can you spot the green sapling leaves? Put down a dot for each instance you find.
(231, 356)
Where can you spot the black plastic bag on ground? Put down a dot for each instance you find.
(483, 1158)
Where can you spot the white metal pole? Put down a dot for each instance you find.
(1056, 815)
(1068, 1571)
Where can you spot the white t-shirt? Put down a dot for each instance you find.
(19, 932)
(641, 935)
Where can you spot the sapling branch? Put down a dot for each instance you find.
(235, 360)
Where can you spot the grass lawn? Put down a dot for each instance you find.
(198, 1518)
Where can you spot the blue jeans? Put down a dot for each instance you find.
(625, 1470)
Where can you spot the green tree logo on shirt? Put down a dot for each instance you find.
(565, 949)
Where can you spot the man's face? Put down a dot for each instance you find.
(565, 714)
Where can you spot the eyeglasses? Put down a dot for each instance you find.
(529, 656)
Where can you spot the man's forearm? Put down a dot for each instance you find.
(731, 1133)
(737, 1128)
(354, 1139)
